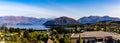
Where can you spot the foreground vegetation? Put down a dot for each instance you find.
(57, 34)
(18, 35)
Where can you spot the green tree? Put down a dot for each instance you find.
(14, 38)
(39, 41)
(4, 28)
(26, 35)
(59, 29)
(80, 39)
(107, 29)
(25, 40)
(11, 30)
(66, 39)
(56, 41)
(30, 30)
(54, 32)
(17, 30)
(44, 38)
(72, 31)
(39, 37)
(53, 37)
(34, 36)
(117, 31)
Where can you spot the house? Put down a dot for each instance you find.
(96, 37)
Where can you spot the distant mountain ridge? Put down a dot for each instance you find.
(61, 21)
(91, 19)
(21, 20)
(94, 19)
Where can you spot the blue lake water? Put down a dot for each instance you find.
(36, 27)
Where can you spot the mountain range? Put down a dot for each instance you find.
(94, 19)
(61, 21)
(83, 20)
(21, 20)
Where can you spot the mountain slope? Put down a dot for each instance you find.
(94, 19)
(61, 21)
(20, 20)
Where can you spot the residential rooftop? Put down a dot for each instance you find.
(97, 34)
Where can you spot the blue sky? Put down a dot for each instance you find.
(56, 8)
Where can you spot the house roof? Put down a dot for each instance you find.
(97, 34)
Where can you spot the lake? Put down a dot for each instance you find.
(36, 27)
